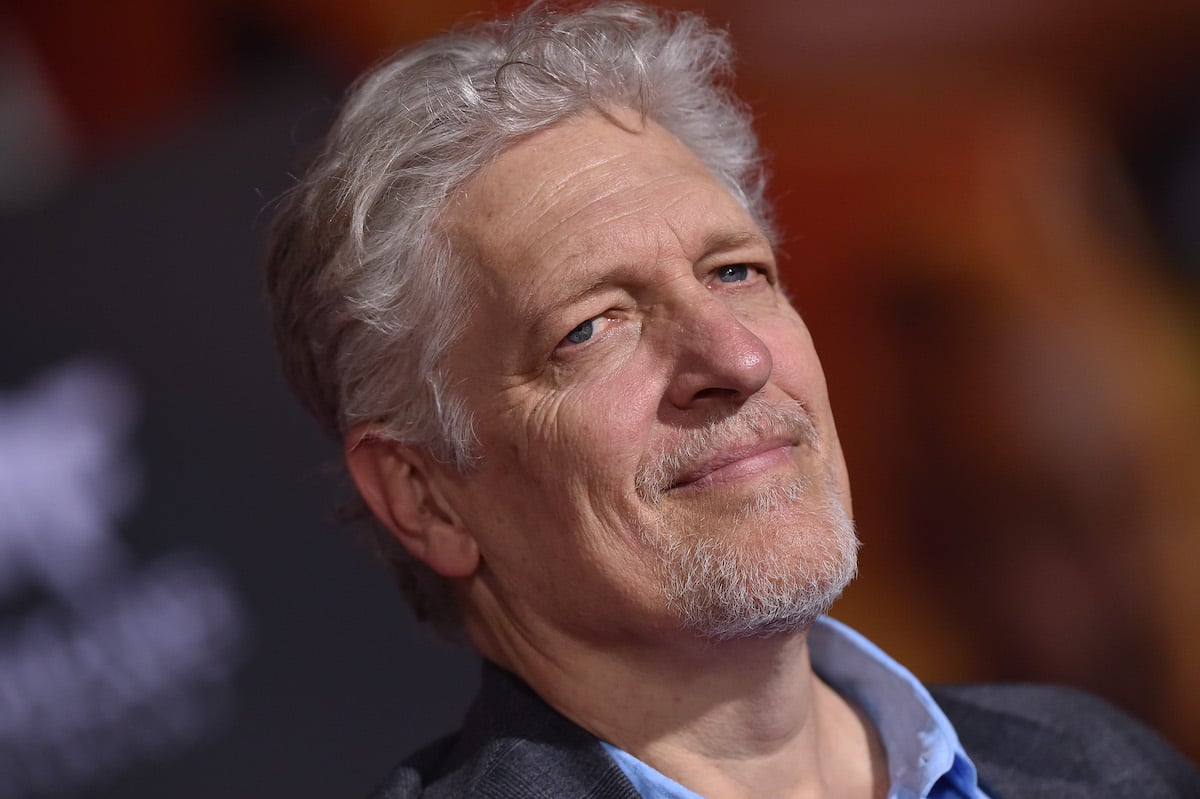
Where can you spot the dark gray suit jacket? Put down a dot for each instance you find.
(1028, 742)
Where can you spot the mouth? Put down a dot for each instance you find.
(762, 438)
(736, 463)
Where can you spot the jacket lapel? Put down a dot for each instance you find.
(515, 746)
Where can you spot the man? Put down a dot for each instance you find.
(530, 283)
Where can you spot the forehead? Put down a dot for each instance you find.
(596, 192)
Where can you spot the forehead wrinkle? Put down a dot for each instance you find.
(699, 236)
(617, 184)
(631, 234)
(641, 242)
(494, 184)
(541, 207)
(630, 227)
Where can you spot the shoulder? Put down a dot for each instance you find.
(1054, 707)
(512, 768)
(511, 745)
(1040, 740)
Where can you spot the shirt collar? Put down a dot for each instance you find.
(922, 746)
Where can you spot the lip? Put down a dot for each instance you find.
(735, 463)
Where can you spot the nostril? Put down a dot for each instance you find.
(714, 393)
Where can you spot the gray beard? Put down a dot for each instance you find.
(730, 584)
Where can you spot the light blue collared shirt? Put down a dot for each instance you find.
(925, 759)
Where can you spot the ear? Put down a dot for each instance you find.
(400, 485)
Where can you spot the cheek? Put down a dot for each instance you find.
(561, 517)
(593, 442)
(798, 373)
(796, 367)
(565, 461)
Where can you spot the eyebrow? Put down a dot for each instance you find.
(723, 240)
(542, 314)
(715, 243)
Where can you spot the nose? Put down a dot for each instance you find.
(718, 360)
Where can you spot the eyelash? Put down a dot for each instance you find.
(566, 340)
(749, 269)
(730, 269)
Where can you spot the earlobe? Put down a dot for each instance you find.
(400, 485)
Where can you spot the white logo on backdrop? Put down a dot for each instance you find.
(104, 662)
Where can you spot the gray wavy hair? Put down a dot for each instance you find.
(367, 292)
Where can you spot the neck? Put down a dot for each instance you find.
(727, 720)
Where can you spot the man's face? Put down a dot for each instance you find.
(658, 453)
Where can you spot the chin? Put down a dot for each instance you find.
(781, 562)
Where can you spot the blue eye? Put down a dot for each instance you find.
(734, 273)
(581, 333)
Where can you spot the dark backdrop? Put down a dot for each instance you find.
(291, 667)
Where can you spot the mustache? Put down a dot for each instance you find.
(758, 418)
